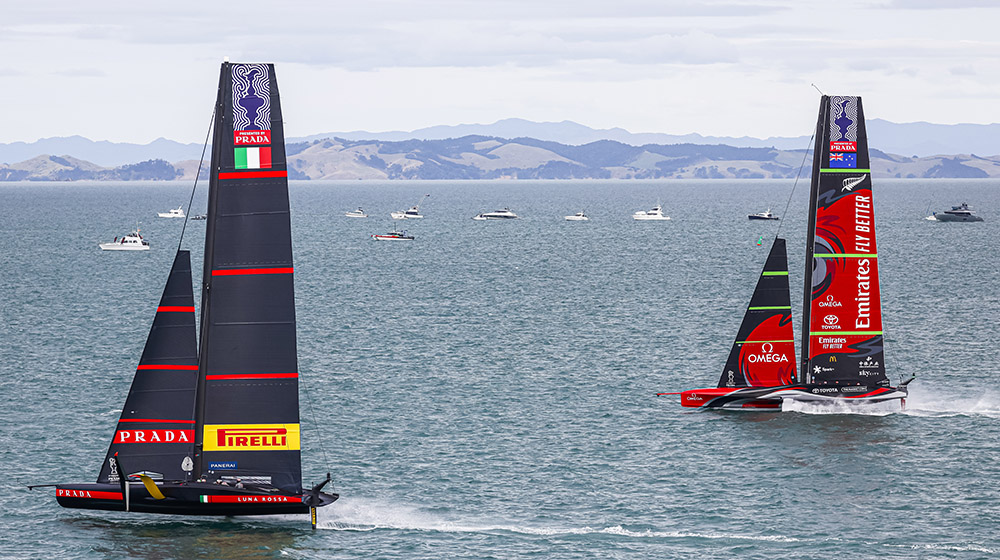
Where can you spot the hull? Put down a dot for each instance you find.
(391, 238)
(123, 247)
(943, 217)
(647, 218)
(576, 219)
(196, 498)
(168, 215)
(771, 397)
(755, 217)
(402, 216)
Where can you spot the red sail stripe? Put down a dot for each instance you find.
(175, 308)
(253, 174)
(156, 420)
(253, 376)
(165, 366)
(240, 271)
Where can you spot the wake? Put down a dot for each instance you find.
(920, 403)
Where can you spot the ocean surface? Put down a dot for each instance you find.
(487, 390)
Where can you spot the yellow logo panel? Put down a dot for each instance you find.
(251, 437)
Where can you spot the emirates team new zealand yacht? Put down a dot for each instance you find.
(210, 425)
(843, 358)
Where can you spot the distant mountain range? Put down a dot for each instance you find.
(488, 157)
(910, 139)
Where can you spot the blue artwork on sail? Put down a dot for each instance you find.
(844, 161)
(251, 97)
(844, 119)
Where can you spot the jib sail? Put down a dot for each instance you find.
(248, 413)
(156, 432)
(842, 312)
(763, 354)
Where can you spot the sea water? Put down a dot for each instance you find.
(487, 390)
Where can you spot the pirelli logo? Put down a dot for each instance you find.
(251, 437)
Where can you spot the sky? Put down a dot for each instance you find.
(128, 71)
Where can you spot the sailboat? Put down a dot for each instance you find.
(842, 358)
(211, 422)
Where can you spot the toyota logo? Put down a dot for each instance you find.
(831, 320)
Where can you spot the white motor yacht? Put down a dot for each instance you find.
(359, 213)
(655, 214)
(132, 241)
(765, 215)
(578, 217)
(504, 214)
(175, 213)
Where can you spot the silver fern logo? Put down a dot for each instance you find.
(851, 182)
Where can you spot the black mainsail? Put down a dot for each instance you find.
(248, 416)
(216, 431)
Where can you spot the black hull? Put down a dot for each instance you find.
(754, 398)
(184, 499)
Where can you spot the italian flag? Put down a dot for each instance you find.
(253, 158)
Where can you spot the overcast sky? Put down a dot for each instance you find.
(130, 71)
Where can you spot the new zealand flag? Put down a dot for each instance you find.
(844, 161)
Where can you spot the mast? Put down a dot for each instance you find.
(824, 109)
(206, 277)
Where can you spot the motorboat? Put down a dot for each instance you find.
(393, 235)
(765, 215)
(175, 213)
(131, 241)
(359, 213)
(504, 214)
(413, 213)
(655, 214)
(960, 213)
(578, 217)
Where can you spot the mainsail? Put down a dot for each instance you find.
(156, 429)
(248, 418)
(763, 354)
(842, 311)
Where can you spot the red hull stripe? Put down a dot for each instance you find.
(253, 174)
(175, 308)
(241, 271)
(88, 494)
(253, 376)
(165, 366)
(249, 499)
(156, 420)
